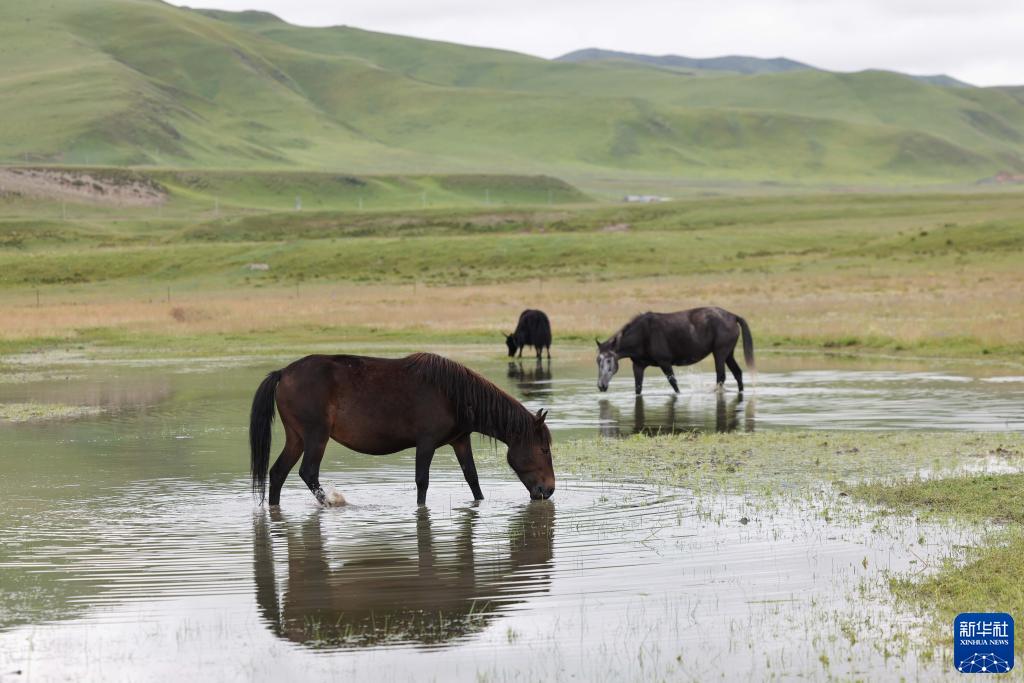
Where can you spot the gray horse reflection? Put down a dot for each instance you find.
(672, 418)
(416, 587)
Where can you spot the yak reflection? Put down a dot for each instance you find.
(532, 380)
(730, 414)
(413, 587)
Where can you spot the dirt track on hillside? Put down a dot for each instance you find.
(121, 189)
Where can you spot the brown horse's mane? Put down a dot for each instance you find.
(479, 404)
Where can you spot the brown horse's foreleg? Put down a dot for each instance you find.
(309, 470)
(424, 454)
(638, 376)
(283, 465)
(464, 452)
(734, 368)
(667, 369)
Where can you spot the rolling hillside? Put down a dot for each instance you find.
(139, 82)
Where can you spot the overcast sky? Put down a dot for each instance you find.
(979, 41)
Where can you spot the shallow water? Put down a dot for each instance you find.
(178, 577)
(797, 392)
(130, 548)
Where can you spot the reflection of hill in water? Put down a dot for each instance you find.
(730, 414)
(533, 380)
(407, 586)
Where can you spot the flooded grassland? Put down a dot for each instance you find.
(690, 538)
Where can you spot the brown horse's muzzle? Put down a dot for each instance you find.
(542, 491)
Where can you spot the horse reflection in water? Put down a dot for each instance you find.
(533, 380)
(730, 415)
(421, 589)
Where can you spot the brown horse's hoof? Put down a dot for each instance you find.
(334, 499)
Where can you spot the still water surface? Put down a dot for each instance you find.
(130, 548)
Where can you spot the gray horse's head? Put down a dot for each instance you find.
(607, 363)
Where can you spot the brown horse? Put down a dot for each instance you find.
(383, 405)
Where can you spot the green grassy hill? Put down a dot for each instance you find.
(139, 82)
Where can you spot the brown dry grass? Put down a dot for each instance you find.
(921, 307)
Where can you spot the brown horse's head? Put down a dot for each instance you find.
(530, 457)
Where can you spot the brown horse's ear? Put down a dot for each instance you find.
(541, 414)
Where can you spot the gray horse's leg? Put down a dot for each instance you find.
(638, 376)
(667, 369)
(734, 368)
(719, 371)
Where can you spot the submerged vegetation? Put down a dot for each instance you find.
(788, 462)
(39, 412)
(985, 577)
(830, 468)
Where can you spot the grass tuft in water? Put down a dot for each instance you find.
(984, 578)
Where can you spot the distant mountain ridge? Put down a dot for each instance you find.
(143, 83)
(734, 63)
(739, 64)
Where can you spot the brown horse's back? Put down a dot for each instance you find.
(348, 394)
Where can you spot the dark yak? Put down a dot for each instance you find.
(385, 405)
(534, 330)
(682, 338)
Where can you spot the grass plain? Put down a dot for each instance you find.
(925, 273)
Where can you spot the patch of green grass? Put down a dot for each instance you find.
(978, 498)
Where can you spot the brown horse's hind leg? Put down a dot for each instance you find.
(734, 368)
(464, 452)
(316, 443)
(284, 464)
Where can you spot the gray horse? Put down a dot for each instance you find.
(681, 338)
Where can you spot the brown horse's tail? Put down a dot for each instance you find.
(261, 419)
(748, 344)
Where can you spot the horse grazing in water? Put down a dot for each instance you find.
(383, 405)
(681, 338)
(533, 329)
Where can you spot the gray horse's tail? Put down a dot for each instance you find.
(748, 344)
